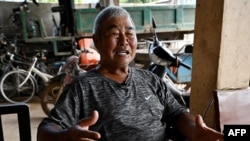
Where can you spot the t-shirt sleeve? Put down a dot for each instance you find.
(66, 110)
(173, 109)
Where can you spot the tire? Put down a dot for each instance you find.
(180, 94)
(50, 95)
(11, 89)
(4, 69)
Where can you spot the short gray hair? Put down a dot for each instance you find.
(108, 13)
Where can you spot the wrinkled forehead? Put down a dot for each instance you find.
(118, 22)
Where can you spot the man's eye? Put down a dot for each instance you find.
(130, 34)
(114, 35)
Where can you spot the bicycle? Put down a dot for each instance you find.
(78, 63)
(6, 47)
(19, 86)
(53, 90)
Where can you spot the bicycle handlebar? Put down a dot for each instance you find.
(19, 59)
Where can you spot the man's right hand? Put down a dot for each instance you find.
(81, 132)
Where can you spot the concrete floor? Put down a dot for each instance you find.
(10, 125)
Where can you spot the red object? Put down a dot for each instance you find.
(89, 58)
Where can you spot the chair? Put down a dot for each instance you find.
(232, 107)
(22, 111)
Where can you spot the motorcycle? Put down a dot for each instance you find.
(170, 67)
(79, 62)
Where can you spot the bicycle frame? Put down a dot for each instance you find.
(29, 72)
(22, 82)
(44, 76)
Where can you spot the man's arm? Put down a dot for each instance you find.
(51, 133)
(75, 133)
(195, 129)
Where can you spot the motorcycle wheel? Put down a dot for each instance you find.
(49, 96)
(181, 94)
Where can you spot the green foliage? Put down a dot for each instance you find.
(81, 1)
(47, 1)
(136, 1)
(123, 1)
(56, 1)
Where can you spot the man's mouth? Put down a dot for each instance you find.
(124, 52)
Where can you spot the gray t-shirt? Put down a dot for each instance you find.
(138, 110)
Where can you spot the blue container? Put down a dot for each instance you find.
(183, 74)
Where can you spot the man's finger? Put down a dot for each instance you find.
(86, 122)
(200, 124)
(199, 121)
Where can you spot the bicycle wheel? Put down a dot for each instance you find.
(11, 89)
(50, 95)
(4, 69)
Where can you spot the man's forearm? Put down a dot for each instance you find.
(51, 133)
(186, 125)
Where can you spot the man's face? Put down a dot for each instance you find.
(118, 42)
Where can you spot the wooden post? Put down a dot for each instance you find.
(221, 57)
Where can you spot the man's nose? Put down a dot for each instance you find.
(123, 40)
